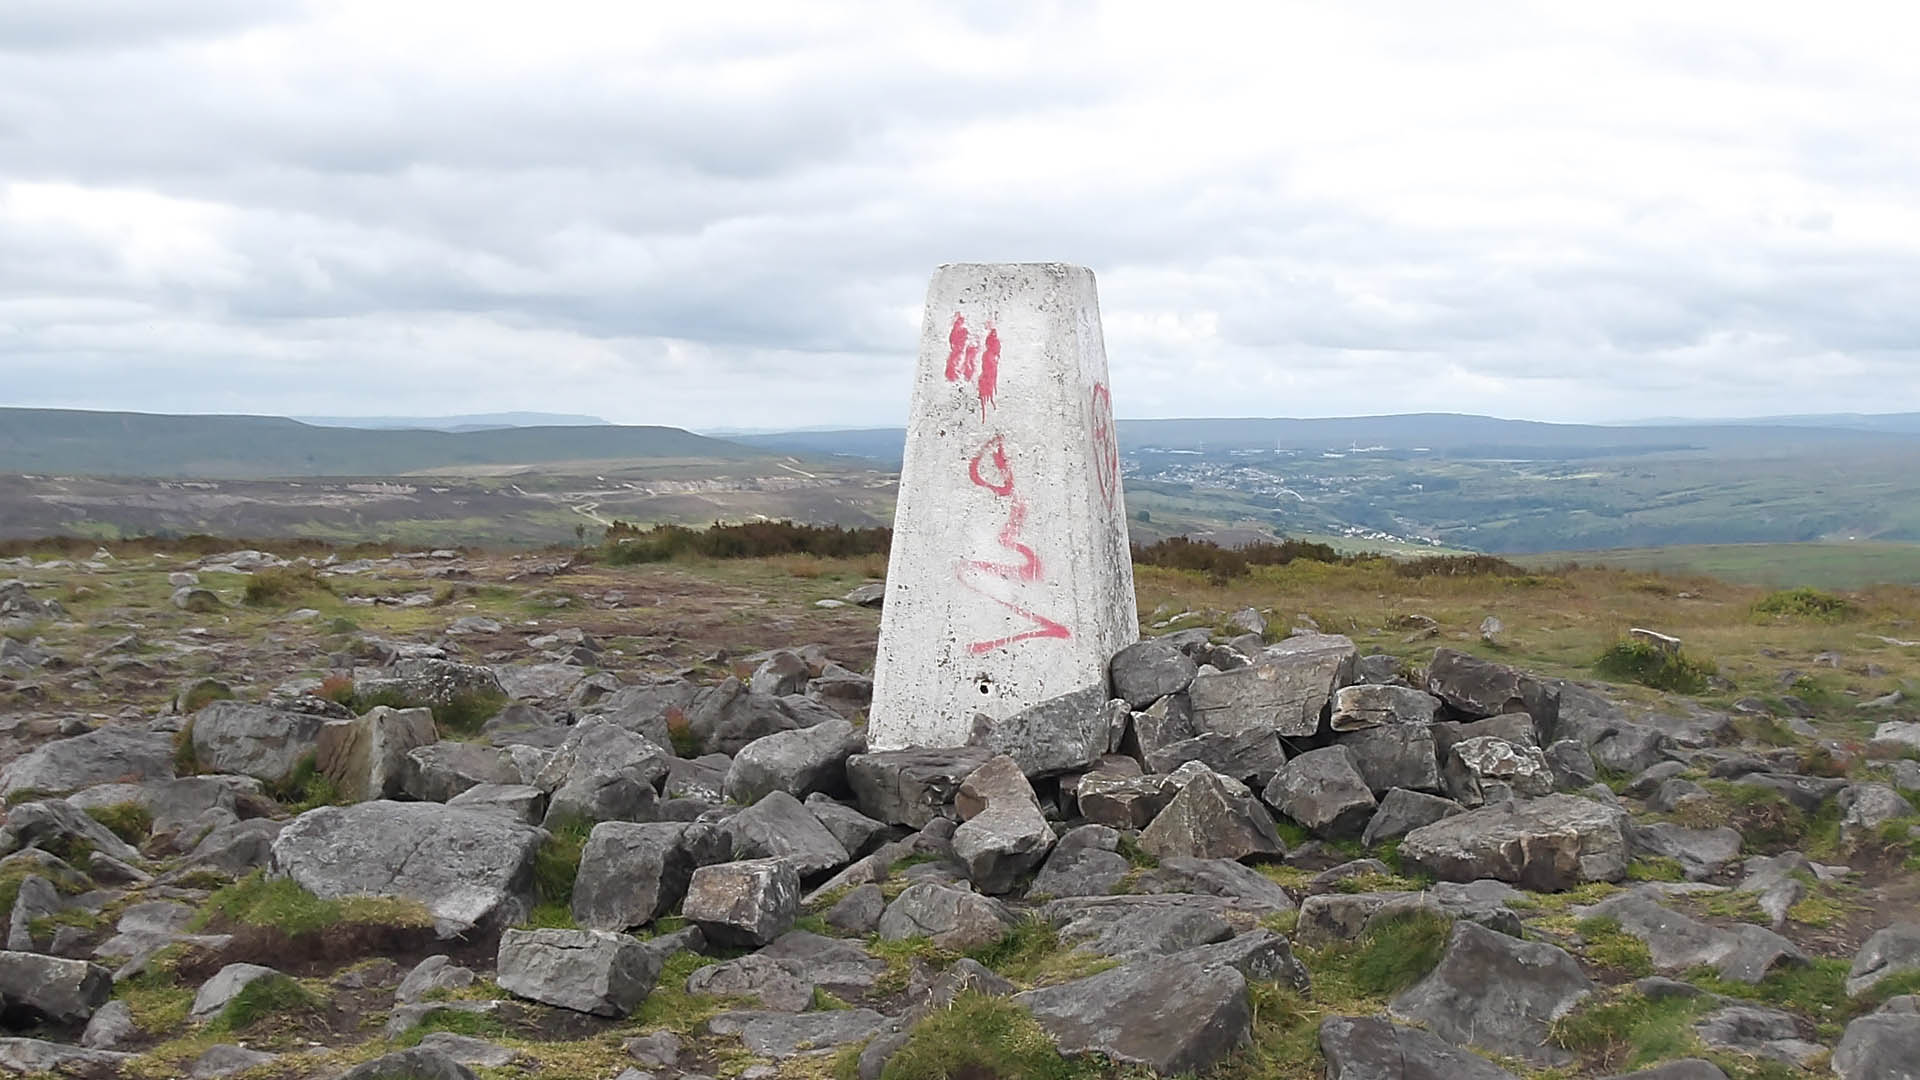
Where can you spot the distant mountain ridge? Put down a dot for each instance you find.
(74, 441)
(1441, 434)
(469, 422)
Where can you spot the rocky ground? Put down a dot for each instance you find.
(449, 814)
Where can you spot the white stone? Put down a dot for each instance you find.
(1010, 580)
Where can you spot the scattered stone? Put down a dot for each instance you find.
(1253, 755)
(1375, 1048)
(419, 1063)
(1675, 942)
(1402, 811)
(105, 755)
(53, 988)
(1146, 671)
(725, 718)
(856, 832)
(1758, 1032)
(1215, 877)
(1548, 844)
(748, 903)
(197, 600)
(1394, 756)
(39, 1057)
(225, 1059)
(859, 911)
(1483, 688)
(785, 1035)
(1372, 705)
(1062, 734)
(1883, 1046)
(913, 786)
(1498, 994)
(1166, 1016)
(1284, 690)
(631, 874)
(225, 985)
(434, 973)
(603, 772)
(780, 827)
(366, 757)
(1322, 790)
(1891, 950)
(468, 1050)
(1488, 768)
(112, 1027)
(1004, 835)
(467, 867)
(590, 971)
(953, 918)
(1129, 927)
(1701, 853)
(797, 762)
(1213, 818)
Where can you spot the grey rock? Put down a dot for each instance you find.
(1284, 690)
(225, 985)
(1253, 755)
(439, 771)
(859, 911)
(1334, 916)
(1479, 687)
(56, 989)
(104, 755)
(419, 1063)
(1394, 756)
(1675, 942)
(1322, 790)
(436, 972)
(1062, 734)
(1488, 768)
(1884, 1046)
(785, 1035)
(1216, 877)
(253, 740)
(655, 1050)
(798, 762)
(750, 902)
(36, 899)
(603, 772)
(366, 757)
(38, 1057)
(646, 708)
(630, 874)
(953, 918)
(1158, 726)
(1683, 1069)
(1146, 671)
(469, 868)
(1497, 993)
(517, 802)
(468, 1050)
(1550, 843)
(1891, 950)
(111, 1027)
(780, 674)
(1004, 834)
(1401, 811)
(703, 778)
(1168, 1017)
(856, 832)
(913, 786)
(780, 827)
(225, 1059)
(725, 718)
(55, 823)
(871, 595)
(1208, 819)
(427, 680)
(1123, 800)
(1367, 705)
(236, 848)
(1571, 765)
(197, 600)
(1702, 853)
(590, 971)
(1758, 1032)
(1375, 1048)
(1083, 863)
(1865, 808)
(1129, 927)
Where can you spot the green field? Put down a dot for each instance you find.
(1833, 564)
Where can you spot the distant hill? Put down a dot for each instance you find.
(72, 441)
(472, 422)
(1445, 435)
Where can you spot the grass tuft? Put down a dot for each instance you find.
(1649, 665)
(1631, 1030)
(1803, 604)
(980, 1036)
(270, 995)
(1605, 944)
(1398, 952)
(280, 585)
(556, 865)
(257, 900)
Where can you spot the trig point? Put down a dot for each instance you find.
(1010, 580)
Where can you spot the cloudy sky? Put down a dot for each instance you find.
(725, 214)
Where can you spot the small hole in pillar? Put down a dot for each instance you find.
(986, 685)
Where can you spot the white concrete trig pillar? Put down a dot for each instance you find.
(1010, 580)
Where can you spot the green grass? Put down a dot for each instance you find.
(1631, 1029)
(462, 714)
(1397, 952)
(670, 1006)
(1605, 944)
(556, 864)
(204, 693)
(280, 585)
(984, 1036)
(1031, 955)
(305, 787)
(1803, 603)
(1634, 660)
(257, 900)
(1656, 868)
(270, 995)
(478, 1025)
(1815, 990)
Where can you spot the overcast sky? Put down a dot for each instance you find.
(725, 214)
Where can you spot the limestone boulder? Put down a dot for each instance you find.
(589, 971)
(1740, 952)
(1376, 1048)
(108, 754)
(725, 718)
(1883, 1046)
(1476, 687)
(798, 762)
(366, 757)
(1062, 734)
(780, 826)
(53, 989)
(1402, 811)
(953, 918)
(1323, 791)
(1889, 951)
(631, 873)
(1285, 690)
(1146, 671)
(1488, 768)
(913, 786)
(1548, 844)
(438, 771)
(1365, 705)
(1252, 755)
(749, 902)
(1159, 1015)
(1213, 817)
(603, 772)
(469, 868)
(1498, 994)
(253, 740)
(1004, 835)
(1394, 756)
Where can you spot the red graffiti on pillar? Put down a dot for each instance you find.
(991, 470)
(975, 362)
(1106, 444)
